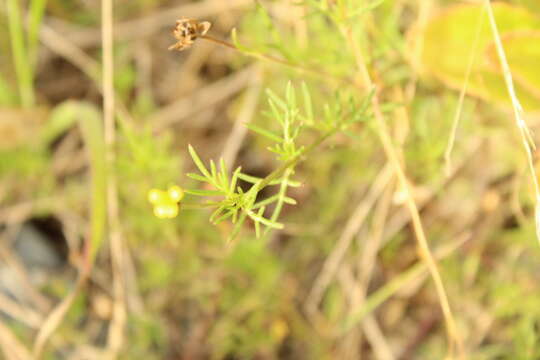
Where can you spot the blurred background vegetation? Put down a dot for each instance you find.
(88, 272)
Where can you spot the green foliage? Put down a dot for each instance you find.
(249, 300)
(316, 159)
(237, 204)
(91, 127)
(24, 45)
(145, 162)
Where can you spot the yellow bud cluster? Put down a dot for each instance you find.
(166, 203)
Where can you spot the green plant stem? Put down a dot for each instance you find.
(292, 162)
(20, 54)
(37, 9)
(316, 72)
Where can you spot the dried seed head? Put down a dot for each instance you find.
(186, 32)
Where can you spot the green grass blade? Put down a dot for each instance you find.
(198, 162)
(61, 119)
(92, 133)
(37, 9)
(197, 192)
(20, 54)
(197, 177)
(264, 221)
(266, 133)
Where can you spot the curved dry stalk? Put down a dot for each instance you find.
(524, 131)
(56, 316)
(383, 134)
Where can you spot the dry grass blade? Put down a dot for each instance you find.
(54, 319)
(24, 314)
(116, 328)
(525, 133)
(382, 132)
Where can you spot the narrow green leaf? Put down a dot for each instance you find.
(37, 9)
(197, 192)
(255, 217)
(19, 52)
(257, 225)
(276, 114)
(280, 103)
(253, 179)
(223, 174)
(198, 162)
(290, 96)
(92, 133)
(266, 133)
(213, 169)
(217, 213)
(224, 217)
(198, 177)
(237, 226)
(265, 202)
(62, 118)
(234, 179)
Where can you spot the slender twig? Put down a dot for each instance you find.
(116, 329)
(525, 133)
(315, 72)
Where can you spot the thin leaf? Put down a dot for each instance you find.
(257, 225)
(197, 177)
(234, 179)
(290, 96)
(224, 217)
(237, 227)
(264, 221)
(280, 103)
(197, 192)
(276, 114)
(266, 133)
(198, 162)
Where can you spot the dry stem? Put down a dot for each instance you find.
(392, 155)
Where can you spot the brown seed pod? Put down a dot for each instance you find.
(186, 32)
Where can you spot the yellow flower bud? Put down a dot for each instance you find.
(175, 193)
(156, 196)
(166, 202)
(166, 211)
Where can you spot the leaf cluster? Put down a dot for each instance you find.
(231, 201)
